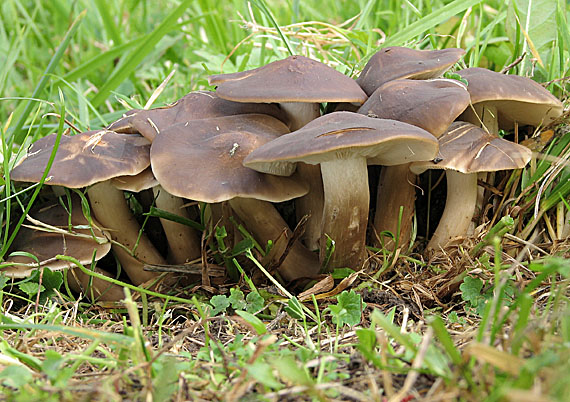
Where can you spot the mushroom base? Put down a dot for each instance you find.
(345, 213)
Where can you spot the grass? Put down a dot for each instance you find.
(488, 321)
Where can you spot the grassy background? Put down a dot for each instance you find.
(93, 59)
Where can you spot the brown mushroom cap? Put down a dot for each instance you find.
(84, 159)
(516, 98)
(467, 148)
(294, 79)
(343, 135)
(195, 105)
(46, 245)
(400, 62)
(202, 160)
(432, 105)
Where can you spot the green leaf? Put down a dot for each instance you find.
(220, 304)
(31, 288)
(348, 310)
(52, 280)
(294, 309)
(254, 302)
(252, 320)
(341, 273)
(237, 299)
(290, 371)
(471, 290)
(15, 376)
(263, 373)
(242, 247)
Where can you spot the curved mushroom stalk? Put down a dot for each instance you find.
(80, 282)
(345, 213)
(395, 189)
(183, 241)
(265, 223)
(459, 208)
(109, 206)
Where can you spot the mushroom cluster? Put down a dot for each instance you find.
(260, 139)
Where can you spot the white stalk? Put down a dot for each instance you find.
(345, 213)
(459, 208)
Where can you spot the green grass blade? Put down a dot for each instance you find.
(17, 132)
(102, 59)
(139, 53)
(104, 7)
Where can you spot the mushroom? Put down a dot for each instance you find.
(202, 160)
(501, 100)
(299, 85)
(465, 150)
(195, 105)
(396, 62)
(432, 105)
(91, 159)
(343, 143)
(57, 231)
(508, 99)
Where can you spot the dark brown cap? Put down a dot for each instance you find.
(294, 79)
(344, 135)
(84, 159)
(202, 160)
(396, 62)
(516, 98)
(432, 105)
(467, 148)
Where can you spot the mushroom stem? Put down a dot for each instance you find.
(265, 224)
(298, 115)
(395, 189)
(78, 281)
(109, 206)
(459, 208)
(183, 241)
(345, 213)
